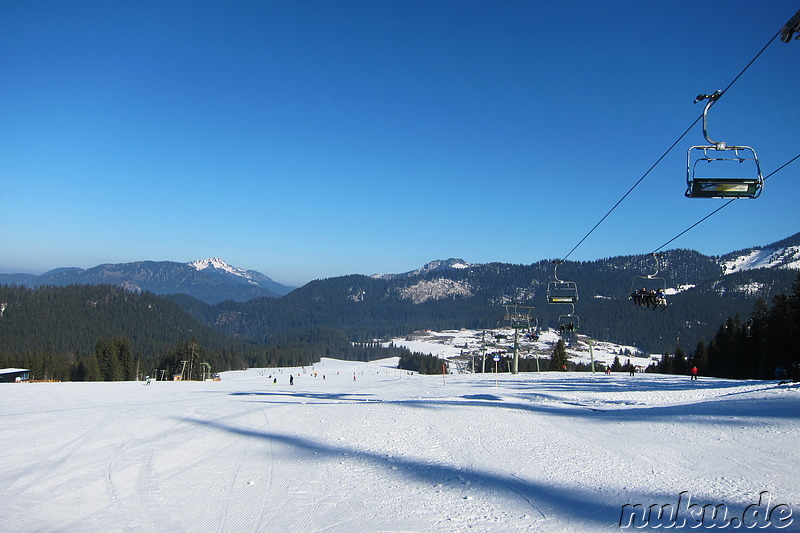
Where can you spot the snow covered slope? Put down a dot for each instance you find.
(788, 257)
(364, 447)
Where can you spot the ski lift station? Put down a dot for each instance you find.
(12, 375)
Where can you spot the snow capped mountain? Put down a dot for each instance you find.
(214, 262)
(209, 280)
(433, 266)
(218, 264)
(440, 264)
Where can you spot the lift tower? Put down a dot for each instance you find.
(519, 317)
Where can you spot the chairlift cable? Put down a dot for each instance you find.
(750, 63)
(639, 181)
(657, 250)
(726, 204)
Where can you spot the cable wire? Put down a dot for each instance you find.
(670, 148)
(726, 204)
(620, 272)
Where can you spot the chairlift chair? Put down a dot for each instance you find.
(520, 323)
(518, 316)
(717, 161)
(652, 291)
(569, 323)
(559, 291)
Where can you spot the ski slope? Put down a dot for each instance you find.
(392, 451)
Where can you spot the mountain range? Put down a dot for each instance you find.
(453, 293)
(208, 280)
(213, 280)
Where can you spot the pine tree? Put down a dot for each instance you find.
(559, 358)
(93, 372)
(700, 357)
(680, 366)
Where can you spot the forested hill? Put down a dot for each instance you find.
(103, 332)
(474, 296)
(325, 317)
(71, 319)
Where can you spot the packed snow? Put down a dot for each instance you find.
(366, 447)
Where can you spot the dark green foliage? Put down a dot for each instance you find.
(96, 333)
(754, 348)
(674, 364)
(558, 360)
(422, 363)
(73, 318)
(111, 361)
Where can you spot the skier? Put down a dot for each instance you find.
(661, 299)
(291, 380)
(694, 373)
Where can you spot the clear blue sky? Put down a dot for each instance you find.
(310, 139)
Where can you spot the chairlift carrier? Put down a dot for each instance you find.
(559, 291)
(720, 155)
(651, 281)
(519, 316)
(570, 318)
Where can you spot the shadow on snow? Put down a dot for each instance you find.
(547, 501)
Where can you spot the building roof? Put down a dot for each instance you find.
(13, 370)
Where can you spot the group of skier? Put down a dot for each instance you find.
(652, 298)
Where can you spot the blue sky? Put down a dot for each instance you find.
(313, 139)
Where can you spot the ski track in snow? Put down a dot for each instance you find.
(390, 451)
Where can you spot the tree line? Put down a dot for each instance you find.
(764, 345)
(367, 308)
(104, 333)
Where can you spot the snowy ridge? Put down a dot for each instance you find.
(434, 290)
(439, 264)
(788, 257)
(219, 264)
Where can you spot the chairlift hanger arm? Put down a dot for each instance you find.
(556, 262)
(712, 99)
(658, 266)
